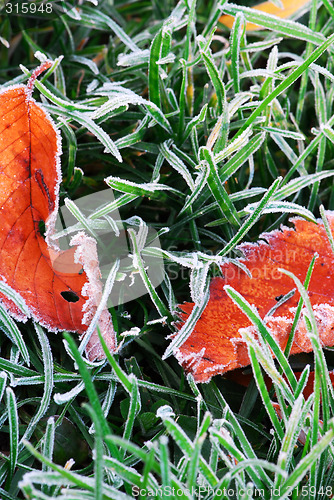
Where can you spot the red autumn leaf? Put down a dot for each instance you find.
(215, 346)
(61, 288)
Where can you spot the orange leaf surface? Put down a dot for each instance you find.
(61, 288)
(216, 346)
(290, 7)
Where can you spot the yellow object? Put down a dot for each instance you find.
(290, 7)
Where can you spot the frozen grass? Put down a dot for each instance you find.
(221, 136)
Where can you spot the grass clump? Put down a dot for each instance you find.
(209, 137)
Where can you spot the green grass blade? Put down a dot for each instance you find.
(90, 389)
(217, 189)
(287, 82)
(13, 430)
(283, 26)
(251, 219)
(48, 384)
(304, 465)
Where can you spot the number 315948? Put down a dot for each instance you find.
(28, 8)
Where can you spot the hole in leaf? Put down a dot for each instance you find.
(69, 296)
(41, 228)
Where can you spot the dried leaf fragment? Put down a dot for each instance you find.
(217, 334)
